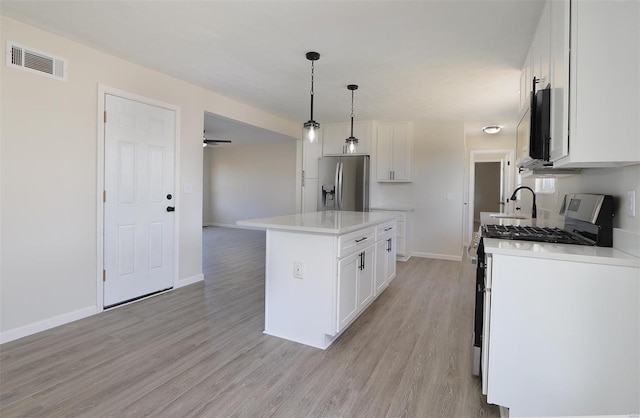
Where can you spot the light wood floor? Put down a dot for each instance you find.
(200, 351)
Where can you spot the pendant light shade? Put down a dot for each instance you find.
(352, 140)
(311, 126)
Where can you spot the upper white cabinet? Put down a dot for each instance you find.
(559, 56)
(335, 134)
(589, 53)
(393, 152)
(604, 89)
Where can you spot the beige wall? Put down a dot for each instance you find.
(249, 182)
(437, 170)
(49, 174)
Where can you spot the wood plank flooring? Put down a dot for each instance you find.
(200, 351)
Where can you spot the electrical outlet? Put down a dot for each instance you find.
(298, 270)
(630, 203)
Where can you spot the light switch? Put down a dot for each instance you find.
(188, 188)
(451, 196)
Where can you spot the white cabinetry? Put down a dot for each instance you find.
(355, 274)
(604, 90)
(402, 238)
(562, 337)
(393, 152)
(385, 256)
(589, 53)
(335, 134)
(348, 290)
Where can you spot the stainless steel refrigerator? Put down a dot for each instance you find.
(343, 183)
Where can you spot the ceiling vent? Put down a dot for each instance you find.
(37, 62)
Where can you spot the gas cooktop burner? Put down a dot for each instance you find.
(532, 233)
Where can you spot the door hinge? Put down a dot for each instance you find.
(104, 275)
(104, 196)
(105, 116)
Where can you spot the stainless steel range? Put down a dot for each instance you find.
(588, 220)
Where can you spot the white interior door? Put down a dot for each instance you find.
(139, 186)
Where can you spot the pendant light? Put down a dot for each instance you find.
(352, 140)
(311, 127)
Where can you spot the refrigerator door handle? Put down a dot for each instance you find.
(340, 185)
(336, 190)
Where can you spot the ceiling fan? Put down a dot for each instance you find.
(206, 142)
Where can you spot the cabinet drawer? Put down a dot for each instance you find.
(354, 241)
(385, 229)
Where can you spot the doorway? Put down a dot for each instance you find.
(487, 190)
(137, 225)
(503, 159)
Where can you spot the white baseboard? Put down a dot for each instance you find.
(46, 324)
(403, 257)
(233, 226)
(438, 256)
(190, 280)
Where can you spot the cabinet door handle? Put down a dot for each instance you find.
(361, 266)
(361, 239)
(389, 245)
(364, 257)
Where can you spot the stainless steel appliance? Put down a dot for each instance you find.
(588, 220)
(343, 183)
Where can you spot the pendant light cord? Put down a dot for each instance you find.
(352, 113)
(312, 73)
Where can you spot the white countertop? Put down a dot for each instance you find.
(563, 252)
(326, 222)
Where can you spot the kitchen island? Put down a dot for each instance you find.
(323, 269)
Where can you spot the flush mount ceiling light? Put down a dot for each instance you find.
(352, 140)
(492, 129)
(311, 127)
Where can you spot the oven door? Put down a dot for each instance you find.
(478, 309)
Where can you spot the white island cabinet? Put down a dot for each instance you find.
(320, 271)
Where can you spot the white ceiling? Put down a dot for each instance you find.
(451, 60)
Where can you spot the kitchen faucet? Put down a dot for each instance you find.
(534, 210)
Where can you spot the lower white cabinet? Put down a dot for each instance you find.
(347, 290)
(561, 338)
(355, 285)
(402, 239)
(385, 261)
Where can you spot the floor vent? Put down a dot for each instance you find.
(38, 62)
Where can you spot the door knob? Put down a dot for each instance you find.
(169, 197)
(171, 209)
